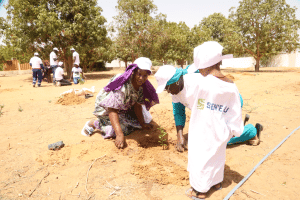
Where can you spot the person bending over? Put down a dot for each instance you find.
(122, 105)
(60, 77)
(216, 115)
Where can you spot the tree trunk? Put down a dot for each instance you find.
(66, 63)
(180, 62)
(125, 63)
(257, 64)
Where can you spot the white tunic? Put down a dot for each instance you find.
(216, 116)
(52, 56)
(76, 72)
(59, 74)
(76, 58)
(35, 62)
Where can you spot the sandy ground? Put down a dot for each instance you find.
(92, 168)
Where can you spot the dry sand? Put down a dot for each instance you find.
(92, 168)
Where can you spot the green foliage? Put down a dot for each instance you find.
(81, 81)
(264, 28)
(136, 29)
(214, 27)
(20, 109)
(162, 139)
(174, 43)
(1, 107)
(41, 25)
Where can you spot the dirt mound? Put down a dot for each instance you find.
(230, 77)
(70, 99)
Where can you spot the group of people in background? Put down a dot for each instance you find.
(57, 68)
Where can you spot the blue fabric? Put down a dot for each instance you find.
(37, 74)
(76, 80)
(179, 114)
(242, 101)
(178, 108)
(248, 133)
(53, 71)
(179, 72)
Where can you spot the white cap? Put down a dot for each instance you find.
(208, 54)
(72, 49)
(163, 75)
(55, 49)
(60, 63)
(143, 63)
(36, 54)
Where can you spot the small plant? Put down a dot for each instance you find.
(249, 108)
(81, 81)
(21, 85)
(267, 92)
(162, 140)
(49, 101)
(1, 107)
(20, 109)
(163, 133)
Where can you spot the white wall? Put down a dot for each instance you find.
(116, 63)
(281, 60)
(238, 62)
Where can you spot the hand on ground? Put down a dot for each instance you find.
(181, 144)
(120, 141)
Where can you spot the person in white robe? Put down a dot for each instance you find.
(216, 115)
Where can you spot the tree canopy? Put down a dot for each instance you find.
(263, 28)
(40, 25)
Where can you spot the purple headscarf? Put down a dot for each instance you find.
(150, 96)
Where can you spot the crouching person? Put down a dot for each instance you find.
(60, 77)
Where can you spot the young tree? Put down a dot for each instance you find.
(215, 27)
(42, 25)
(135, 27)
(264, 27)
(180, 48)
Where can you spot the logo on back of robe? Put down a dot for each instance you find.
(200, 105)
(217, 107)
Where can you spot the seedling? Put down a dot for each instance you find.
(20, 109)
(1, 107)
(162, 134)
(49, 101)
(162, 139)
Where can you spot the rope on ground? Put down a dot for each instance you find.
(260, 162)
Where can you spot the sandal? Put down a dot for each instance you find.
(190, 191)
(87, 130)
(218, 188)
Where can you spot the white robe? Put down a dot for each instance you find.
(216, 116)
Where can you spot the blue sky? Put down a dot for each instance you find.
(189, 11)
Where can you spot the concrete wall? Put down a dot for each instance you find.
(116, 63)
(238, 62)
(281, 60)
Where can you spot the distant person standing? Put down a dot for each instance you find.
(75, 57)
(37, 66)
(59, 75)
(76, 71)
(53, 62)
